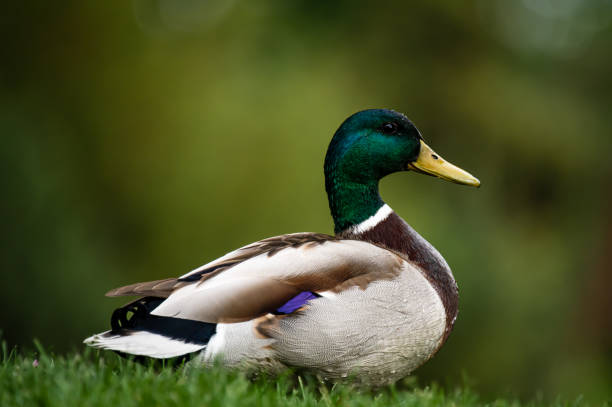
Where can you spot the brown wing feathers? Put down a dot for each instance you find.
(271, 246)
(159, 288)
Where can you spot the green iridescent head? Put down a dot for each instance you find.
(371, 144)
(368, 146)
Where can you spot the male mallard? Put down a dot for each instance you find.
(375, 300)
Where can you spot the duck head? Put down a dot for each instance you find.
(368, 146)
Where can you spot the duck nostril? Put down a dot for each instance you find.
(435, 157)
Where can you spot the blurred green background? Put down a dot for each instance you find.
(142, 139)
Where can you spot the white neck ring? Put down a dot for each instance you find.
(381, 214)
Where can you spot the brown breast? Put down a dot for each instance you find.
(394, 233)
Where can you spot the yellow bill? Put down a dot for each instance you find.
(428, 162)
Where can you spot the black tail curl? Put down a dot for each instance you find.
(136, 316)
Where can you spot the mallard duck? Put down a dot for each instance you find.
(374, 301)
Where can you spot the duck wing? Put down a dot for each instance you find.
(259, 278)
(270, 246)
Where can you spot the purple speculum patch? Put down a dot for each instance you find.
(296, 302)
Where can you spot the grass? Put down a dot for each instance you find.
(103, 379)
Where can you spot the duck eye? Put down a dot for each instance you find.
(389, 128)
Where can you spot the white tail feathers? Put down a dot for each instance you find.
(143, 343)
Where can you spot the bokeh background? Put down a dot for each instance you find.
(141, 139)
